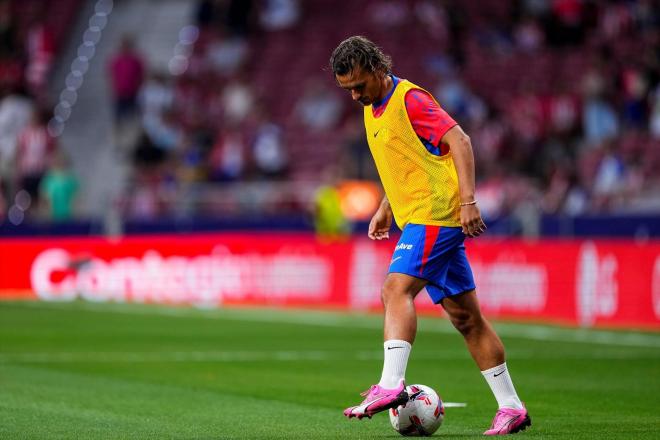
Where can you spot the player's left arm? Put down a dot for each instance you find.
(461, 150)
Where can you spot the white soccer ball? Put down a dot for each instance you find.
(421, 416)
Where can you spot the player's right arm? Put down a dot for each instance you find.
(381, 222)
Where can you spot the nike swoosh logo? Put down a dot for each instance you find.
(394, 259)
(363, 408)
(392, 348)
(498, 374)
(376, 133)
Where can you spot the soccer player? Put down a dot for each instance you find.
(426, 166)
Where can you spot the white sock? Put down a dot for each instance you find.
(500, 383)
(394, 365)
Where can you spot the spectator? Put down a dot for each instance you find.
(576, 201)
(615, 19)
(433, 17)
(564, 110)
(527, 121)
(58, 189)
(529, 35)
(635, 92)
(489, 134)
(34, 153)
(557, 189)
(268, 149)
(492, 194)
(599, 120)
(593, 80)
(228, 157)
(126, 70)
(330, 223)
(156, 96)
(226, 53)
(237, 100)
(146, 201)
(277, 15)
(454, 96)
(40, 53)
(525, 201)
(610, 175)
(16, 110)
(318, 108)
(164, 131)
(357, 162)
(189, 163)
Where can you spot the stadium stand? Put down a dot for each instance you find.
(32, 33)
(560, 97)
(508, 61)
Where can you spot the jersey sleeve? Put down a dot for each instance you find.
(428, 119)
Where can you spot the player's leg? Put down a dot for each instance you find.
(483, 343)
(400, 326)
(398, 295)
(488, 352)
(404, 281)
(462, 306)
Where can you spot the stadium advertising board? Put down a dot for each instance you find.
(198, 270)
(587, 283)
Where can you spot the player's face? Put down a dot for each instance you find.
(365, 87)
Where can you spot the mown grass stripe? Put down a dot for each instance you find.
(334, 319)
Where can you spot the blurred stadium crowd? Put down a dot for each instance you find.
(31, 34)
(560, 97)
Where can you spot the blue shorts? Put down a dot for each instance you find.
(436, 254)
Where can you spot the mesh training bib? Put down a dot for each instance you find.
(421, 187)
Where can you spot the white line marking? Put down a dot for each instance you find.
(352, 320)
(454, 404)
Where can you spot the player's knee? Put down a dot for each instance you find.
(391, 292)
(464, 322)
(387, 293)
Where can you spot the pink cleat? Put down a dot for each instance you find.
(378, 399)
(509, 421)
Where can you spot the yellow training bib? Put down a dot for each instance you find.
(421, 187)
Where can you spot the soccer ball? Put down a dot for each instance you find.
(422, 415)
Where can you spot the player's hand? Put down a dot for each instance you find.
(380, 224)
(471, 221)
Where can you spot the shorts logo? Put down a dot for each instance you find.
(403, 247)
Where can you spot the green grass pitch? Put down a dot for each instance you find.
(110, 371)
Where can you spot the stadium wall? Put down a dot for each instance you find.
(590, 283)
